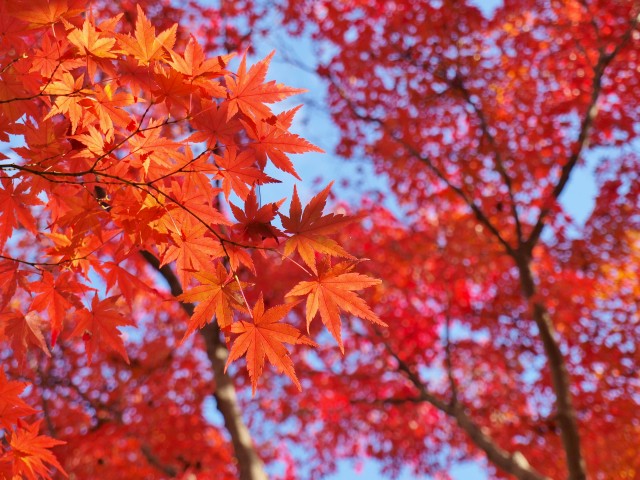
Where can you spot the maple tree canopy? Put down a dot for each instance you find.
(150, 301)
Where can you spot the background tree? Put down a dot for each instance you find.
(513, 328)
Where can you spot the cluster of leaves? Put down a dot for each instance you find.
(122, 143)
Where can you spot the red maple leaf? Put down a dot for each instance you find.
(57, 296)
(272, 139)
(254, 222)
(15, 203)
(22, 331)
(12, 407)
(99, 327)
(238, 172)
(217, 295)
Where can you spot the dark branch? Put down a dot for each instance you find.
(513, 463)
(582, 142)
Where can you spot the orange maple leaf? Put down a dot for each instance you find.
(107, 106)
(146, 46)
(265, 337)
(238, 171)
(273, 140)
(12, 407)
(195, 63)
(99, 327)
(248, 93)
(217, 295)
(309, 227)
(332, 291)
(31, 453)
(40, 13)
(89, 41)
(213, 126)
(69, 94)
(192, 251)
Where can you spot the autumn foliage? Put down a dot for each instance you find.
(151, 301)
(513, 334)
(125, 140)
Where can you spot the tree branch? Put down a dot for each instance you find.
(565, 411)
(249, 463)
(457, 84)
(449, 361)
(168, 470)
(479, 214)
(512, 463)
(604, 60)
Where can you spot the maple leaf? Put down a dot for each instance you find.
(12, 407)
(15, 203)
(57, 296)
(10, 276)
(239, 172)
(192, 251)
(197, 197)
(309, 227)
(89, 42)
(152, 150)
(195, 63)
(22, 331)
(99, 327)
(68, 91)
(332, 291)
(217, 295)
(248, 93)
(107, 106)
(254, 223)
(213, 125)
(273, 140)
(146, 47)
(43, 13)
(264, 336)
(31, 452)
(93, 140)
(47, 59)
(130, 286)
(172, 87)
